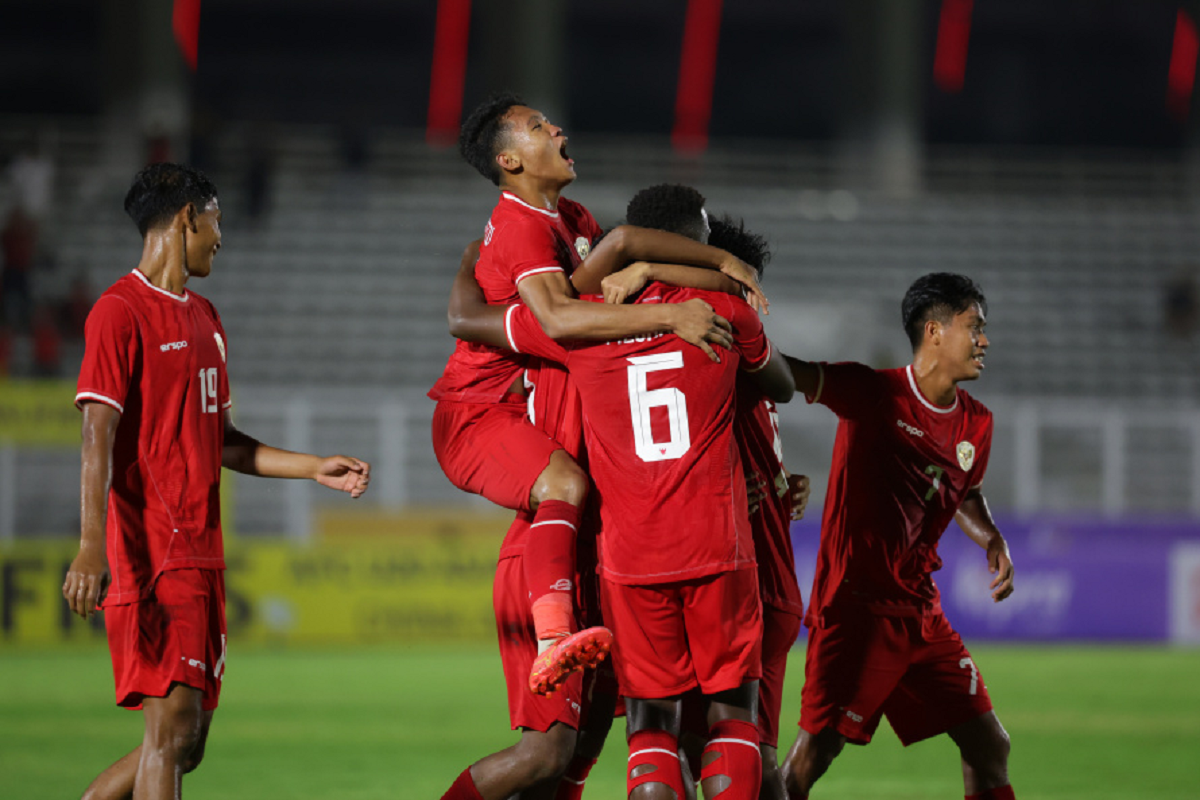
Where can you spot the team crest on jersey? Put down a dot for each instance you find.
(221, 350)
(582, 247)
(966, 455)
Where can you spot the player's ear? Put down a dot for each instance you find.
(508, 161)
(933, 330)
(187, 216)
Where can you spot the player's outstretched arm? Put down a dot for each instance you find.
(806, 376)
(974, 517)
(88, 577)
(628, 243)
(775, 379)
(245, 454)
(470, 316)
(564, 317)
(625, 283)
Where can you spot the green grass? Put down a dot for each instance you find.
(1094, 723)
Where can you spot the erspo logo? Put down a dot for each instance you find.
(172, 346)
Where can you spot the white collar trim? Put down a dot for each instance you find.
(912, 382)
(182, 298)
(515, 199)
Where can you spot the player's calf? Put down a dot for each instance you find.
(654, 769)
(731, 765)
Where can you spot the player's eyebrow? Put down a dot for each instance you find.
(536, 119)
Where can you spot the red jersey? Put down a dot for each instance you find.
(901, 467)
(658, 417)
(159, 359)
(519, 241)
(756, 431)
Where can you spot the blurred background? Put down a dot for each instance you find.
(1048, 148)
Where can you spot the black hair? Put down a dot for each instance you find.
(938, 296)
(481, 137)
(160, 190)
(668, 207)
(731, 236)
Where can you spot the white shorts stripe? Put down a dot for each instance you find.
(508, 329)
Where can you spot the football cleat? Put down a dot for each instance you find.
(583, 650)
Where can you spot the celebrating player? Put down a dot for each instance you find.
(157, 429)
(532, 244)
(776, 497)
(911, 451)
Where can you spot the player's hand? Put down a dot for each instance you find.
(1000, 564)
(87, 580)
(697, 324)
(756, 490)
(350, 475)
(744, 274)
(799, 488)
(623, 284)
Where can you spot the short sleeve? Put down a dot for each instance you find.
(749, 339)
(849, 389)
(223, 394)
(525, 335)
(983, 453)
(111, 349)
(528, 247)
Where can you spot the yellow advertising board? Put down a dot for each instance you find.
(39, 413)
(417, 577)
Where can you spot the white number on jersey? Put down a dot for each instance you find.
(208, 390)
(641, 400)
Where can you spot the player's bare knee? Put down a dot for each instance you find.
(827, 745)
(547, 755)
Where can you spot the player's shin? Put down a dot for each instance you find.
(549, 566)
(731, 762)
(654, 758)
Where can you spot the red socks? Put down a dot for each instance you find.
(999, 793)
(463, 788)
(657, 749)
(571, 785)
(549, 565)
(737, 759)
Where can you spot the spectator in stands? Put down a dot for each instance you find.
(76, 307)
(47, 344)
(1181, 305)
(259, 165)
(18, 243)
(31, 176)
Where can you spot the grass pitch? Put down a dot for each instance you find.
(1094, 723)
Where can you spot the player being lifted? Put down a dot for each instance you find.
(533, 243)
(910, 455)
(156, 431)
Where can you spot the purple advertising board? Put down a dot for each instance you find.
(1076, 579)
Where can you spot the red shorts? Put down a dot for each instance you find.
(518, 649)
(915, 670)
(491, 449)
(670, 637)
(175, 635)
(780, 629)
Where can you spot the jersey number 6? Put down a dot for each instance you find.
(641, 400)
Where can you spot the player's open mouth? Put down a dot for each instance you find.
(562, 151)
(978, 359)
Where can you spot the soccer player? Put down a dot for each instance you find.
(678, 581)
(910, 455)
(533, 242)
(776, 496)
(157, 429)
